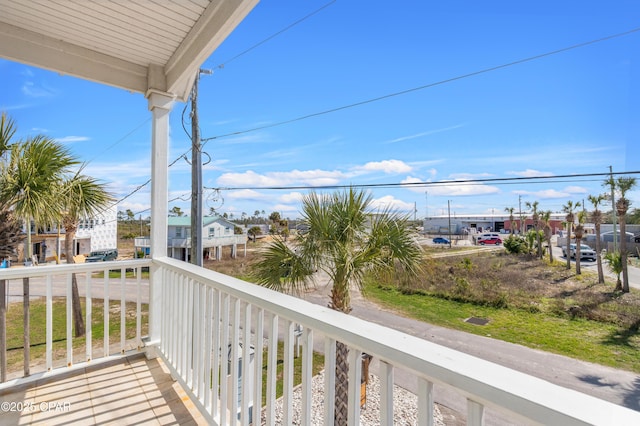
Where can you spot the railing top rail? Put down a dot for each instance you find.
(63, 268)
(525, 396)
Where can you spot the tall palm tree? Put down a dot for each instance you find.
(570, 218)
(510, 210)
(545, 217)
(596, 218)
(535, 217)
(345, 241)
(624, 185)
(27, 183)
(82, 196)
(579, 231)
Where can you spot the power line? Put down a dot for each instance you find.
(287, 28)
(504, 181)
(426, 86)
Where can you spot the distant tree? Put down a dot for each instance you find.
(510, 210)
(212, 212)
(237, 230)
(254, 231)
(256, 213)
(545, 218)
(535, 217)
(130, 215)
(579, 231)
(624, 185)
(176, 212)
(634, 217)
(120, 216)
(596, 218)
(569, 218)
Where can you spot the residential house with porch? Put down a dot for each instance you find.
(193, 328)
(217, 233)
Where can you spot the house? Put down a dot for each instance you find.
(217, 232)
(197, 318)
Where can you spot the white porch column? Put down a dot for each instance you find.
(160, 105)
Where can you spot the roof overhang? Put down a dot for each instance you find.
(137, 45)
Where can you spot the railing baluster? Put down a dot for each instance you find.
(197, 338)
(355, 369)
(49, 323)
(182, 319)
(88, 326)
(307, 372)
(247, 378)
(69, 322)
(105, 315)
(386, 393)
(425, 402)
(139, 308)
(207, 337)
(189, 316)
(123, 308)
(287, 377)
(235, 373)
(475, 413)
(215, 371)
(272, 365)
(257, 383)
(329, 380)
(224, 360)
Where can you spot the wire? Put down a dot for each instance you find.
(121, 139)
(439, 183)
(426, 86)
(304, 18)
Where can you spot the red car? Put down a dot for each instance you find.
(495, 241)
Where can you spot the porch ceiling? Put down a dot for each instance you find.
(137, 45)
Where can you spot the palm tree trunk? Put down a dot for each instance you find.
(569, 245)
(3, 331)
(78, 320)
(342, 385)
(598, 255)
(578, 255)
(623, 254)
(26, 326)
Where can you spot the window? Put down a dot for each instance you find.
(178, 232)
(212, 232)
(227, 231)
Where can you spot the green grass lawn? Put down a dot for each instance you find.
(38, 331)
(592, 341)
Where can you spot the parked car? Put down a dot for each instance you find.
(102, 255)
(586, 252)
(441, 240)
(494, 240)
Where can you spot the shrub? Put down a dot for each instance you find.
(515, 244)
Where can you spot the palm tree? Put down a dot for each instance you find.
(82, 196)
(346, 242)
(545, 217)
(570, 218)
(596, 218)
(535, 217)
(579, 231)
(27, 183)
(510, 210)
(624, 185)
(615, 265)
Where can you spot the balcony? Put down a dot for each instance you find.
(198, 322)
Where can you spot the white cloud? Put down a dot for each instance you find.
(449, 188)
(469, 176)
(530, 173)
(295, 177)
(390, 202)
(292, 197)
(71, 139)
(386, 166)
(32, 90)
(567, 192)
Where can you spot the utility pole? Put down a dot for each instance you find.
(520, 212)
(196, 176)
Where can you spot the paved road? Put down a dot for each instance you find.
(617, 386)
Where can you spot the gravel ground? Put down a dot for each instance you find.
(404, 402)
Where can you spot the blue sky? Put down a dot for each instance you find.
(575, 112)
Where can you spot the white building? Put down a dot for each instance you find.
(217, 232)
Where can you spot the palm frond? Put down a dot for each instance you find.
(282, 269)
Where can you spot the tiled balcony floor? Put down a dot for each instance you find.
(130, 391)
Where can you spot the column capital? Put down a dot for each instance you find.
(159, 99)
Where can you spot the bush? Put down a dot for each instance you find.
(515, 244)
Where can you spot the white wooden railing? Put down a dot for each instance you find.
(55, 281)
(200, 321)
(204, 313)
